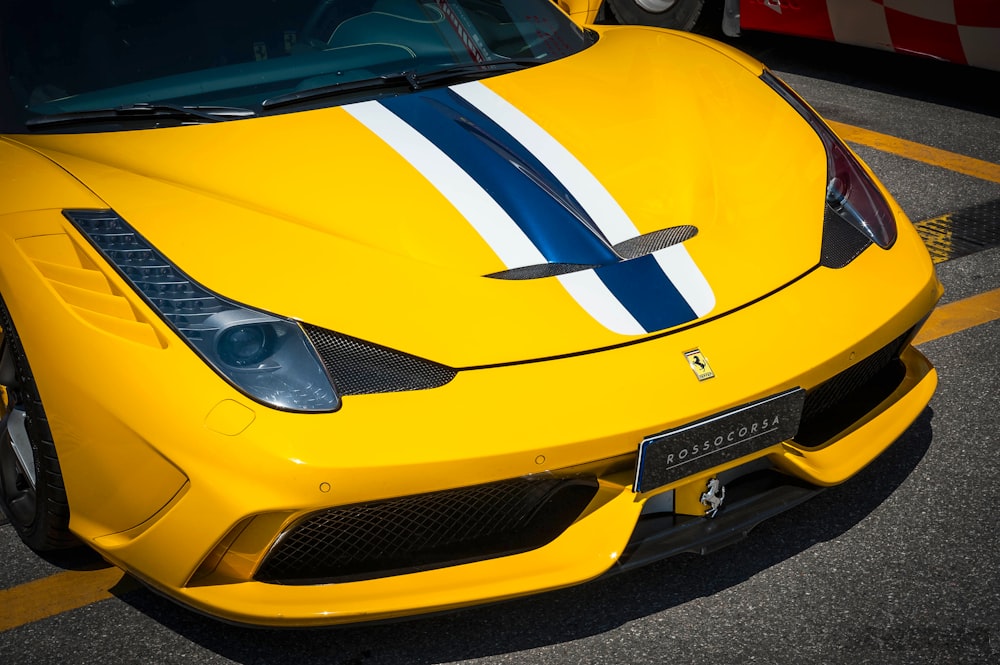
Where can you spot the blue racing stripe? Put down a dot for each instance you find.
(534, 198)
(647, 293)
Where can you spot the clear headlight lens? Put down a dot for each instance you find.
(850, 191)
(267, 357)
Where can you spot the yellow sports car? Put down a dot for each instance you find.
(324, 311)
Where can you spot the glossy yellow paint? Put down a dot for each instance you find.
(329, 197)
(182, 480)
(583, 12)
(857, 446)
(280, 461)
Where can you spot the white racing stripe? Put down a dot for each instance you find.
(495, 226)
(514, 248)
(592, 294)
(605, 211)
(678, 265)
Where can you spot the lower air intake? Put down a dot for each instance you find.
(426, 531)
(838, 402)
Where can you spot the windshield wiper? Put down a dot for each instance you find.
(477, 70)
(408, 80)
(143, 111)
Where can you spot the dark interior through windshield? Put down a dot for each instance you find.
(70, 55)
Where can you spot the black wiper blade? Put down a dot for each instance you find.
(408, 79)
(404, 78)
(143, 111)
(476, 70)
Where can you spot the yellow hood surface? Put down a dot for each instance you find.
(316, 216)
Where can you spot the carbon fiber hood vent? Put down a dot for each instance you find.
(632, 248)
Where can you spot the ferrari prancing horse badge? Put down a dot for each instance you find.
(699, 364)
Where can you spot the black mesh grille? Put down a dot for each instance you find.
(842, 243)
(836, 403)
(360, 368)
(426, 531)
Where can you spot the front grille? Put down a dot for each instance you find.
(426, 531)
(837, 402)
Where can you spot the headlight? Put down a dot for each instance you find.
(267, 357)
(850, 193)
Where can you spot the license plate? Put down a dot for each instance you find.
(683, 451)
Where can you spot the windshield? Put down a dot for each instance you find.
(191, 60)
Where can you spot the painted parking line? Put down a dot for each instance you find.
(977, 168)
(961, 315)
(952, 234)
(60, 593)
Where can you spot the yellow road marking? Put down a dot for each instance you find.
(961, 315)
(937, 236)
(58, 593)
(977, 168)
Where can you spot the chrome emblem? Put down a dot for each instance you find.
(699, 364)
(713, 496)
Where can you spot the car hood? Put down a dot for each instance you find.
(389, 220)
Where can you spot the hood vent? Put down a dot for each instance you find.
(632, 248)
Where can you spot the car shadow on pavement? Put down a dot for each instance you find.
(558, 617)
(75, 558)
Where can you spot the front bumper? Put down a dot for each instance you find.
(758, 491)
(187, 484)
(619, 530)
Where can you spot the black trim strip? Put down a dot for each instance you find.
(643, 340)
(665, 535)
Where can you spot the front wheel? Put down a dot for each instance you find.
(674, 14)
(32, 494)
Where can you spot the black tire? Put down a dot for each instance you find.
(674, 14)
(37, 509)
